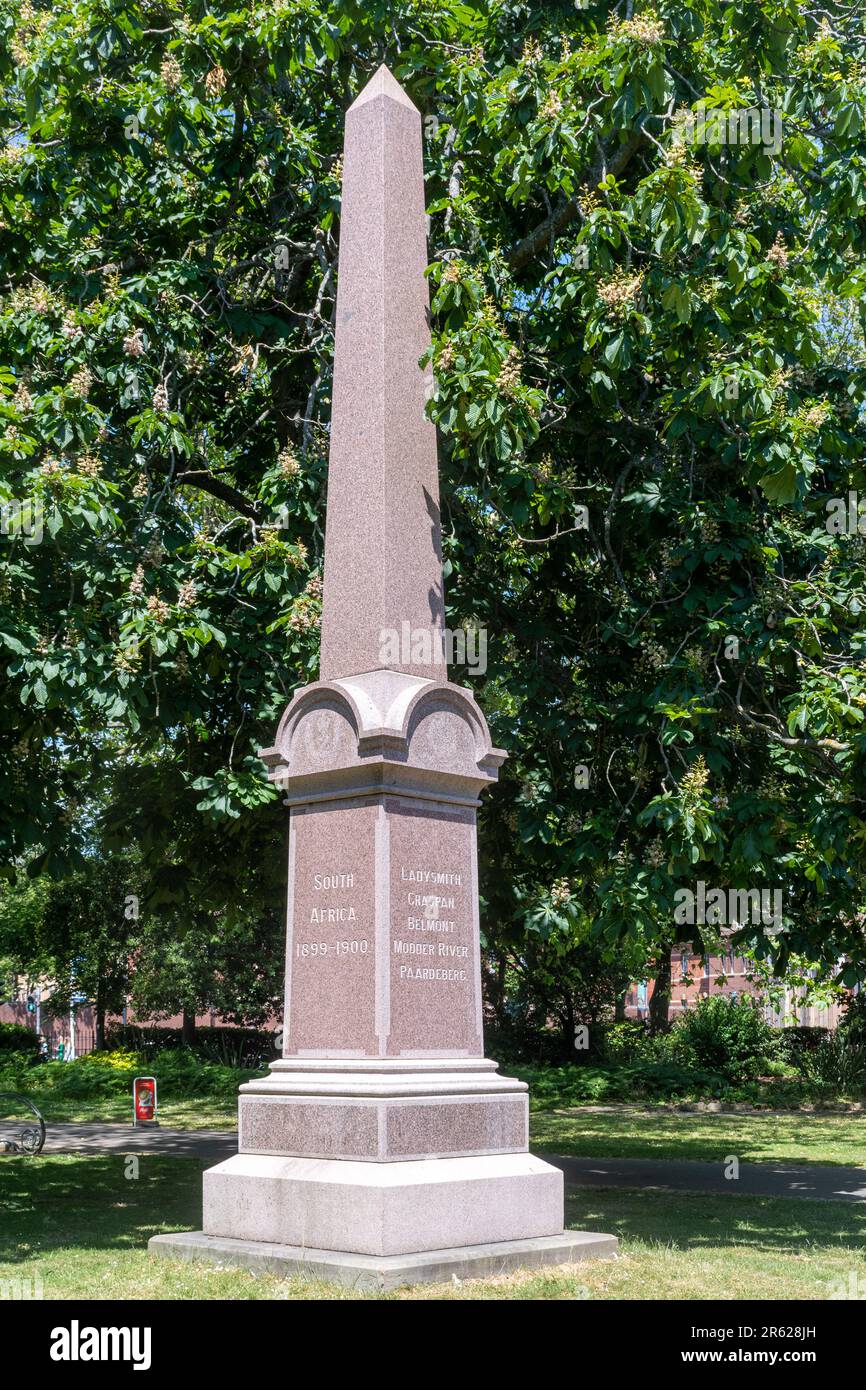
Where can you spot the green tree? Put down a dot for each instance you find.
(649, 354)
(558, 975)
(86, 938)
(191, 962)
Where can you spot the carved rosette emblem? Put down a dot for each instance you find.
(441, 729)
(320, 735)
(444, 740)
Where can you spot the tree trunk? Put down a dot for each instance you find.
(99, 1016)
(187, 1033)
(501, 968)
(568, 1054)
(619, 1007)
(659, 1005)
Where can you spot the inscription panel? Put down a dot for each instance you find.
(434, 974)
(331, 942)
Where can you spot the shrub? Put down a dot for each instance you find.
(519, 1042)
(16, 1037)
(233, 1047)
(99, 1076)
(794, 1043)
(853, 1021)
(838, 1064)
(632, 1041)
(643, 1082)
(94, 1075)
(726, 1036)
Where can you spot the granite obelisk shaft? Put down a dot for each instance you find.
(383, 561)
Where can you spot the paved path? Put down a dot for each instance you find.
(127, 1139)
(679, 1175)
(685, 1175)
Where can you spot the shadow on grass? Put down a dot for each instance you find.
(54, 1202)
(85, 1202)
(691, 1221)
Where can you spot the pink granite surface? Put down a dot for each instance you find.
(331, 936)
(383, 1208)
(382, 1131)
(383, 562)
(382, 952)
(435, 975)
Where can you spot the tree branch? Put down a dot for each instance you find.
(205, 482)
(567, 211)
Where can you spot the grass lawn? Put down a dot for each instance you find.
(621, 1133)
(185, 1112)
(626, 1133)
(81, 1226)
(657, 1133)
(197, 1095)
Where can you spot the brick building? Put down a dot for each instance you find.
(695, 976)
(57, 1031)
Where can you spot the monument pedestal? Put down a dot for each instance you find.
(383, 1148)
(383, 1157)
(383, 1209)
(383, 1111)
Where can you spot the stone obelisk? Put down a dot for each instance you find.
(382, 1148)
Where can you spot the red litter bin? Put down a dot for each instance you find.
(144, 1100)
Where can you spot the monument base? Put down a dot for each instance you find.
(383, 1110)
(383, 1208)
(379, 1273)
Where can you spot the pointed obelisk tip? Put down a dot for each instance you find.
(383, 83)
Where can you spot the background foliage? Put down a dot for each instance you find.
(666, 334)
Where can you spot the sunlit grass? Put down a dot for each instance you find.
(80, 1225)
(634, 1133)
